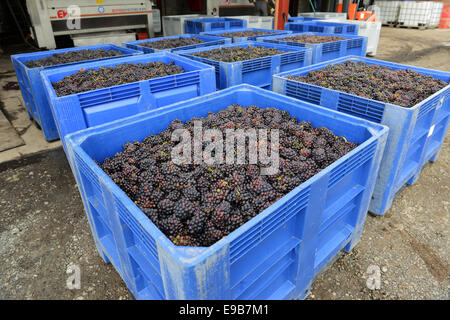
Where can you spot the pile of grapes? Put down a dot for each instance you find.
(198, 204)
(404, 88)
(308, 38)
(248, 33)
(72, 56)
(171, 43)
(104, 77)
(233, 54)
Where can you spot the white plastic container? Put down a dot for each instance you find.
(389, 11)
(156, 20)
(259, 22)
(415, 14)
(114, 37)
(174, 25)
(324, 15)
(436, 14)
(371, 30)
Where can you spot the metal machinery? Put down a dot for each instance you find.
(89, 21)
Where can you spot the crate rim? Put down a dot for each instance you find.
(218, 32)
(240, 44)
(383, 63)
(185, 35)
(46, 73)
(191, 256)
(199, 19)
(19, 56)
(281, 36)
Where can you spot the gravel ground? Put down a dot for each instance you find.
(43, 227)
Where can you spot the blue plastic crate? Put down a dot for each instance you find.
(322, 27)
(352, 46)
(275, 255)
(208, 41)
(302, 19)
(195, 26)
(32, 87)
(252, 38)
(258, 71)
(416, 134)
(83, 110)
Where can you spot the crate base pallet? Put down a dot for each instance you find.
(32, 87)
(208, 41)
(256, 72)
(351, 46)
(86, 109)
(249, 38)
(275, 255)
(416, 134)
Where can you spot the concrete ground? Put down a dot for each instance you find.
(43, 227)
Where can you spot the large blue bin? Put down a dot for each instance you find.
(275, 255)
(196, 26)
(208, 41)
(258, 71)
(251, 38)
(351, 46)
(83, 110)
(416, 134)
(32, 87)
(322, 27)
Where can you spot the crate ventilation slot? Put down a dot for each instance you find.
(109, 95)
(86, 171)
(331, 47)
(174, 82)
(428, 106)
(264, 228)
(360, 107)
(147, 241)
(355, 43)
(256, 64)
(351, 164)
(292, 57)
(303, 92)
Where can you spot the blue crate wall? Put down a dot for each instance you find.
(208, 41)
(32, 87)
(250, 38)
(322, 27)
(196, 26)
(416, 134)
(79, 111)
(352, 45)
(258, 71)
(302, 19)
(275, 255)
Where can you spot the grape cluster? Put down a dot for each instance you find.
(308, 38)
(233, 54)
(171, 43)
(248, 33)
(198, 204)
(72, 56)
(103, 77)
(404, 88)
